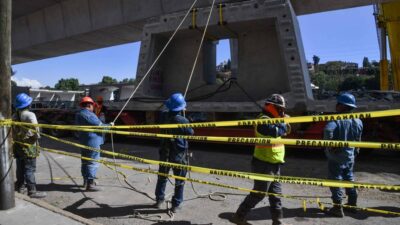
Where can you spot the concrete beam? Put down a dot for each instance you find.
(103, 23)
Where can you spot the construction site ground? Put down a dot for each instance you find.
(117, 204)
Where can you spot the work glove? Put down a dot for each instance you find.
(288, 127)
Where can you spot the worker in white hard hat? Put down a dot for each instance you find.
(267, 159)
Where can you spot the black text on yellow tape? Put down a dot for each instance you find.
(259, 141)
(218, 184)
(243, 175)
(299, 119)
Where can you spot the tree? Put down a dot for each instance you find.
(127, 81)
(13, 84)
(228, 64)
(366, 63)
(352, 83)
(316, 62)
(325, 82)
(375, 63)
(67, 84)
(108, 80)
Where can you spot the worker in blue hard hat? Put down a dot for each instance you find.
(26, 155)
(173, 150)
(341, 159)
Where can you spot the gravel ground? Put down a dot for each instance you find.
(117, 204)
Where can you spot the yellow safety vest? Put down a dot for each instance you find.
(272, 153)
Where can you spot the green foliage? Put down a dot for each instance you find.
(67, 84)
(324, 81)
(315, 60)
(372, 83)
(108, 80)
(375, 63)
(127, 81)
(366, 63)
(352, 83)
(13, 83)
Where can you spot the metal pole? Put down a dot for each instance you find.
(7, 199)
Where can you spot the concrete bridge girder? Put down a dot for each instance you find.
(48, 28)
(270, 57)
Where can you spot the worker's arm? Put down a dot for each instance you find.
(329, 131)
(92, 119)
(185, 131)
(273, 130)
(31, 137)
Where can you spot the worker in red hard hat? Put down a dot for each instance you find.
(86, 117)
(100, 110)
(341, 160)
(267, 159)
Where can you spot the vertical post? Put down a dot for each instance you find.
(384, 78)
(7, 199)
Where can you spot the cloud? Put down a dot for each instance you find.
(25, 82)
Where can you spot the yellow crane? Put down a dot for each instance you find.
(388, 20)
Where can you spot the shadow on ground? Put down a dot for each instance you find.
(299, 215)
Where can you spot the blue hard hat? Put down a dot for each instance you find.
(176, 102)
(347, 99)
(22, 101)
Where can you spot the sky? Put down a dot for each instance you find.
(346, 35)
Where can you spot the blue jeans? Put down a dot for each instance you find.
(342, 171)
(26, 168)
(174, 157)
(89, 167)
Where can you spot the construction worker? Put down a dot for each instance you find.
(173, 150)
(26, 155)
(86, 117)
(267, 159)
(341, 160)
(100, 109)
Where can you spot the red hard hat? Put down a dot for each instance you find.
(86, 100)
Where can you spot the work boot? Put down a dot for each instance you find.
(33, 193)
(22, 189)
(336, 211)
(350, 209)
(91, 186)
(277, 216)
(176, 208)
(37, 194)
(239, 220)
(159, 204)
(84, 183)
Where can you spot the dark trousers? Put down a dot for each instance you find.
(253, 199)
(162, 183)
(342, 171)
(174, 157)
(26, 168)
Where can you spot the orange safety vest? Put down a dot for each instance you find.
(98, 109)
(272, 153)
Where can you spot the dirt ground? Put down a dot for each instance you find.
(117, 204)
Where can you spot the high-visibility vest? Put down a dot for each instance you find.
(272, 153)
(98, 109)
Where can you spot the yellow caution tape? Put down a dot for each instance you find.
(255, 140)
(210, 183)
(298, 119)
(242, 175)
